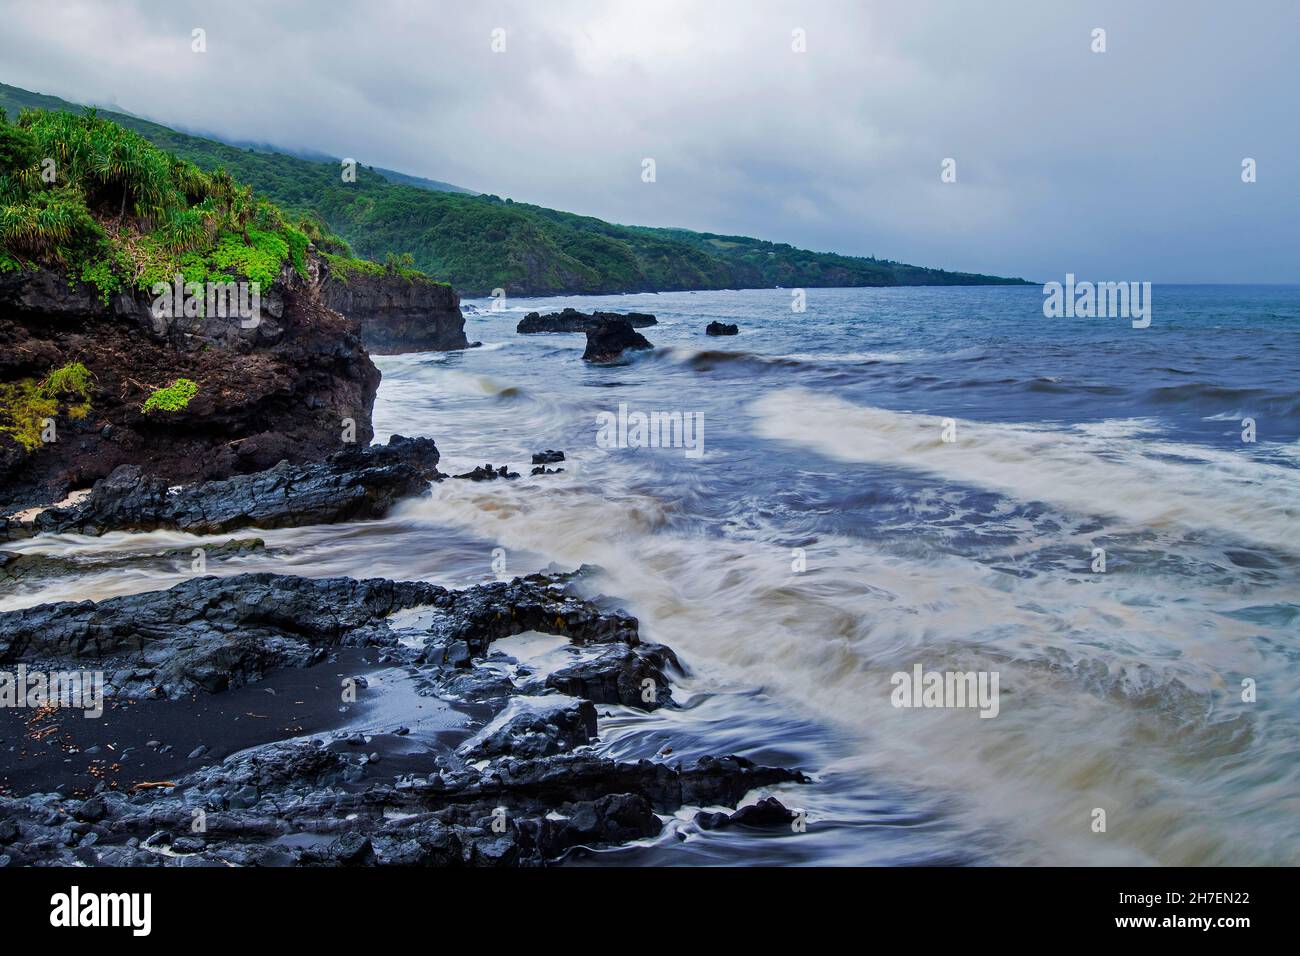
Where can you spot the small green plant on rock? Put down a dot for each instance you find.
(174, 398)
(72, 384)
(71, 380)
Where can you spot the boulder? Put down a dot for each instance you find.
(631, 676)
(571, 320)
(609, 338)
(535, 727)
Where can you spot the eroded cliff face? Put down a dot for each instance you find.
(399, 314)
(283, 387)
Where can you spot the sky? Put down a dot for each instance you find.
(1122, 165)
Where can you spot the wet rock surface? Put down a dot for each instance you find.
(632, 676)
(526, 788)
(212, 633)
(722, 328)
(609, 338)
(571, 320)
(353, 484)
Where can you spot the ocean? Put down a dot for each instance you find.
(940, 477)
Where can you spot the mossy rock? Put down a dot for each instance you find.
(26, 404)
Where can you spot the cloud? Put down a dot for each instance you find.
(1122, 165)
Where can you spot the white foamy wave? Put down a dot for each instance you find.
(911, 355)
(1118, 428)
(1150, 484)
(1079, 664)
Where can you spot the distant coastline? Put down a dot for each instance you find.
(480, 242)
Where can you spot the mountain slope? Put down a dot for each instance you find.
(482, 242)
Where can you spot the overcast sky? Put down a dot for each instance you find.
(1119, 165)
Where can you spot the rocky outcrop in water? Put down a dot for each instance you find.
(525, 789)
(768, 812)
(609, 338)
(722, 328)
(278, 389)
(632, 676)
(397, 313)
(487, 473)
(351, 485)
(571, 320)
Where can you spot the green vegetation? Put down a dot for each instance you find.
(26, 403)
(173, 398)
(22, 409)
(480, 242)
(344, 268)
(113, 210)
(71, 380)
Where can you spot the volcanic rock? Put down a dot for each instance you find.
(609, 338)
(571, 320)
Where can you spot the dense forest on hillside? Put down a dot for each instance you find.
(482, 242)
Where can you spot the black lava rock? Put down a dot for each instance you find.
(488, 473)
(608, 339)
(359, 483)
(571, 320)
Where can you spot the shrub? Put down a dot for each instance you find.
(71, 380)
(173, 398)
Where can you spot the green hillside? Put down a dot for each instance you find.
(482, 242)
(101, 202)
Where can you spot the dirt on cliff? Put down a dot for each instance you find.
(295, 384)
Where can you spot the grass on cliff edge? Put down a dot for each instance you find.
(345, 268)
(107, 207)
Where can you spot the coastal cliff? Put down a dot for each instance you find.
(397, 312)
(278, 391)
